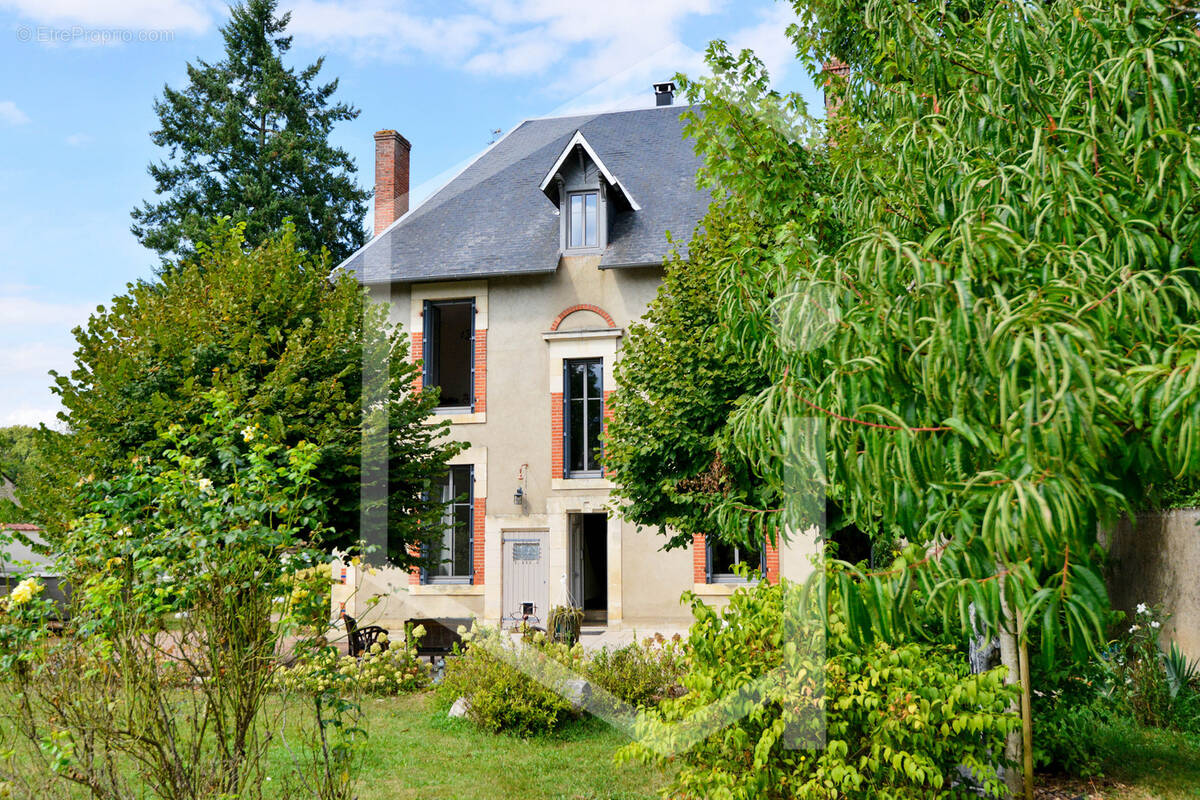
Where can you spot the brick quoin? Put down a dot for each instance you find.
(414, 573)
(699, 559)
(582, 307)
(608, 412)
(480, 371)
(477, 540)
(772, 558)
(556, 434)
(417, 354)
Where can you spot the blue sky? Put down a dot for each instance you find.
(78, 79)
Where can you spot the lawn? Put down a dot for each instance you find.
(416, 752)
(1140, 764)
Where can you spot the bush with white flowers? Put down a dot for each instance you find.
(382, 672)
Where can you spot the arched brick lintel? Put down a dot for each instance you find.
(582, 307)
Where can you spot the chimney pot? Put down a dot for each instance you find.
(664, 93)
(391, 178)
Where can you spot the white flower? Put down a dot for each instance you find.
(418, 631)
(205, 485)
(125, 533)
(1143, 608)
(1134, 628)
(1154, 624)
(247, 434)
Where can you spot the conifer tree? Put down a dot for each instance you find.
(248, 139)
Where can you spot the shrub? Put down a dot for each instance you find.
(501, 694)
(212, 546)
(640, 674)
(380, 672)
(899, 720)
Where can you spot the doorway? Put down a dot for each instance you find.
(588, 543)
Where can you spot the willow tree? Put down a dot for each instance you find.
(1000, 333)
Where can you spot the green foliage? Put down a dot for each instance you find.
(248, 138)
(989, 295)
(501, 694)
(209, 535)
(1072, 702)
(896, 721)
(288, 346)
(1160, 688)
(22, 465)
(667, 442)
(640, 673)
(383, 673)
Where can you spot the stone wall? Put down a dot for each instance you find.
(1156, 559)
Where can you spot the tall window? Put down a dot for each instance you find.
(583, 412)
(454, 562)
(724, 560)
(581, 219)
(450, 351)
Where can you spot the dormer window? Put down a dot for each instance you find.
(583, 230)
(588, 197)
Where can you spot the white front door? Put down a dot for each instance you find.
(526, 564)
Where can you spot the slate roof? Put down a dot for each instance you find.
(492, 219)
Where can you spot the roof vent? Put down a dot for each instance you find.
(664, 93)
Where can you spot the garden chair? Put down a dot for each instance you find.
(359, 640)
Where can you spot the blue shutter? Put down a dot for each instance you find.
(471, 345)
(471, 516)
(566, 418)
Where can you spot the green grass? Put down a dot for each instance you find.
(414, 751)
(1150, 763)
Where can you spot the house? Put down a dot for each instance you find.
(517, 281)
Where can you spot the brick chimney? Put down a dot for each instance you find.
(841, 70)
(391, 178)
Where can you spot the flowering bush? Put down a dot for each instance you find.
(1153, 691)
(393, 671)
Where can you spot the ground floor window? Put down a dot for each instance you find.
(454, 560)
(724, 560)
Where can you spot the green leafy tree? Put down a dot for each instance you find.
(991, 301)
(248, 138)
(288, 345)
(667, 443)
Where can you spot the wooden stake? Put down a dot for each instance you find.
(1026, 716)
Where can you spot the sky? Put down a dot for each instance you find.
(78, 79)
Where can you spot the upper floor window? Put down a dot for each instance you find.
(725, 559)
(582, 230)
(583, 416)
(453, 565)
(449, 354)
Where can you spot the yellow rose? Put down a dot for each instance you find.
(24, 592)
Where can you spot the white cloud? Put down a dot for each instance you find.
(11, 115)
(375, 29)
(503, 37)
(78, 139)
(192, 16)
(769, 41)
(21, 312)
(32, 416)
